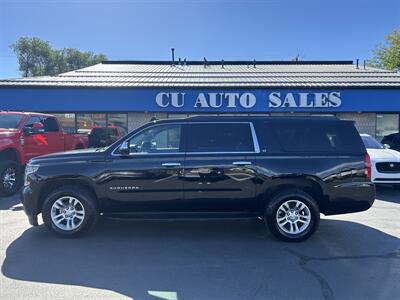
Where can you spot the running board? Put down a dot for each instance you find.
(182, 215)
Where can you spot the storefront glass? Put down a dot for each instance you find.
(119, 121)
(67, 122)
(86, 122)
(386, 124)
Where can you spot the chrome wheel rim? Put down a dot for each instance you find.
(67, 213)
(293, 217)
(9, 178)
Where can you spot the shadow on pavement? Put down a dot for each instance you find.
(7, 203)
(212, 260)
(388, 193)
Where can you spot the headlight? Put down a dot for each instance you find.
(30, 169)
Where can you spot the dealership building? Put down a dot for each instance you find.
(129, 93)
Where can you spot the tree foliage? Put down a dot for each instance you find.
(36, 57)
(387, 55)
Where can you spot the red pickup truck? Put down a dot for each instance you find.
(26, 135)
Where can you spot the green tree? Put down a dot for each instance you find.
(387, 55)
(37, 58)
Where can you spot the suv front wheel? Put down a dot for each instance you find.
(70, 211)
(292, 215)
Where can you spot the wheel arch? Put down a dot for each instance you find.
(10, 154)
(52, 185)
(307, 184)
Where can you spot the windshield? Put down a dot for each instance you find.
(371, 143)
(9, 121)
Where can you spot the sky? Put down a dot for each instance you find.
(218, 29)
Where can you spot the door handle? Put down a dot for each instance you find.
(241, 163)
(169, 165)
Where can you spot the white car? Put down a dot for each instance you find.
(385, 163)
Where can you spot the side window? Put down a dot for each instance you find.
(31, 120)
(50, 124)
(220, 137)
(319, 137)
(157, 139)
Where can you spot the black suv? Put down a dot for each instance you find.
(285, 170)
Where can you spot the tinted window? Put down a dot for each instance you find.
(157, 139)
(318, 137)
(219, 137)
(9, 121)
(50, 124)
(371, 143)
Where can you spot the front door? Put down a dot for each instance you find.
(220, 167)
(34, 144)
(150, 178)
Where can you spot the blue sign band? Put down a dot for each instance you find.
(199, 100)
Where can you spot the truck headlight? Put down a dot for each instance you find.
(30, 169)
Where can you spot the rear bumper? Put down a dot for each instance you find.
(350, 197)
(30, 203)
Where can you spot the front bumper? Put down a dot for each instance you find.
(384, 177)
(30, 203)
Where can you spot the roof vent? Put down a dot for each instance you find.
(254, 63)
(222, 64)
(205, 62)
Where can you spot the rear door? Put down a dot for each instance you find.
(219, 172)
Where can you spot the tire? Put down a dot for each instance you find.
(306, 219)
(72, 222)
(10, 177)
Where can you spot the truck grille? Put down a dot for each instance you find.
(388, 167)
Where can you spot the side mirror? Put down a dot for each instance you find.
(386, 146)
(124, 149)
(36, 128)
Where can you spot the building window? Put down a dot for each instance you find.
(67, 122)
(119, 122)
(386, 124)
(86, 122)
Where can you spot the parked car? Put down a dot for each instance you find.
(393, 140)
(286, 170)
(24, 136)
(104, 136)
(385, 163)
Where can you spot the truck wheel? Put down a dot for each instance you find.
(292, 215)
(10, 177)
(70, 211)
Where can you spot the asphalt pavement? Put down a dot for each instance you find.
(354, 256)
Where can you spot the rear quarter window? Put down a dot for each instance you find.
(318, 137)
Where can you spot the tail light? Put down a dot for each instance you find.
(368, 165)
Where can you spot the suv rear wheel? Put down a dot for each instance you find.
(10, 177)
(292, 215)
(70, 211)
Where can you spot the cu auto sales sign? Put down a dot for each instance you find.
(240, 101)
